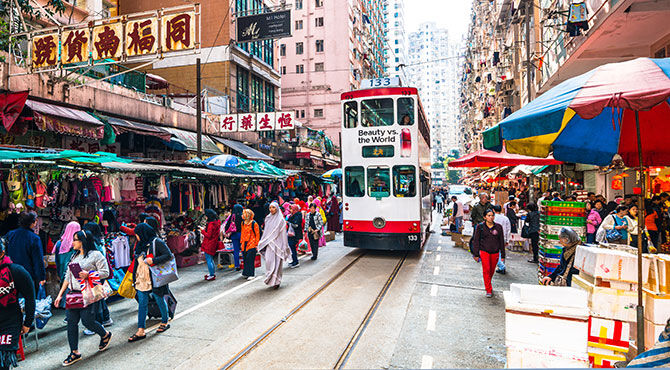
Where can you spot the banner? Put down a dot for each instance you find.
(266, 121)
(264, 26)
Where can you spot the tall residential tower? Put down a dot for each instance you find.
(396, 39)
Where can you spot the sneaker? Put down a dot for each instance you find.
(88, 332)
(294, 265)
(489, 295)
(251, 278)
(210, 277)
(108, 323)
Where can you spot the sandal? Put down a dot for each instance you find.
(104, 341)
(162, 328)
(71, 359)
(136, 337)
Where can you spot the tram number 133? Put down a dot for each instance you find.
(412, 238)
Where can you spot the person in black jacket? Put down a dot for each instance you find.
(533, 221)
(488, 243)
(150, 250)
(295, 224)
(513, 218)
(12, 322)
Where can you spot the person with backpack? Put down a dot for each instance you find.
(232, 229)
(249, 235)
(149, 251)
(15, 281)
(24, 247)
(84, 262)
(210, 242)
(488, 243)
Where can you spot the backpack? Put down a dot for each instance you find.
(8, 293)
(232, 227)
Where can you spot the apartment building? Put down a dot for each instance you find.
(396, 39)
(334, 45)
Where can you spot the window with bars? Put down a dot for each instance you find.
(298, 25)
(318, 112)
(282, 50)
(269, 97)
(256, 94)
(318, 67)
(298, 4)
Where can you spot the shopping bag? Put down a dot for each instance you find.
(126, 288)
(164, 273)
(42, 308)
(93, 289)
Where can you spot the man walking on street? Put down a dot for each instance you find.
(25, 248)
(439, 202)
(478, 211)
(457, 213)
(503, 221)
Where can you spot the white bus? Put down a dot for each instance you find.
(386, 168)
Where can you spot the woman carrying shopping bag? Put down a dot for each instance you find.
(150, 251)
(86, 263)
(488, 243)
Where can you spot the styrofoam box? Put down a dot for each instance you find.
(664, 272)
(608, 303)
(656, 307)
(550, 296)
(609, 264)
(651, 333)
(529, 356)
(546, 327)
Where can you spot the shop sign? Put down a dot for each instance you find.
(119, 38)
(267, 121)
(89, 146)
(264, 26)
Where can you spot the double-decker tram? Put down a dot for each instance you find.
(386, 167)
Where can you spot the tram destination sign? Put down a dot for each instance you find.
(264, 26)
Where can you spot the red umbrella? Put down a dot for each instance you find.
(489, 158)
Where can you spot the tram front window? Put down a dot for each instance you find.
(354, 181)
(377, 112)
(379, 180)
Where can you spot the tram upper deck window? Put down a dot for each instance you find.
(350, 114)
(405, 111)
(379, 182)
(354, 181)
(377, 112)
(404, 181)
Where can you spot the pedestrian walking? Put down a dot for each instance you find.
(457, 213)
(84, 262)
(149, 251)
(210, 242)
(488, 244)
(294, 233)
(313, 226)
(63, 248)
(232, 229)
(273, 246)
(477, 212)
(24, 247)
(102, 310)
(512, 217)
(319, 209)
(334, 214)
(249, 236)
(562, 275)
(593, 221)
(532, 231)
(15, 282)
(439, 202)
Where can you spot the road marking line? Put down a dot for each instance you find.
(439, 249)
(437, 258)
(426, 362)
(433, 290)
(432, 317)
(436, 271)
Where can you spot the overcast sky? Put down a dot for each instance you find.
(451, 14)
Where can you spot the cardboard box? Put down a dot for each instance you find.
(609, 264)
(663, 265)
(608, 303)
(528, 356)
(614, 284)
(330, 236)
(651, 333)
(611, 335)
(550, 296)
(656, 307)
(603, 358)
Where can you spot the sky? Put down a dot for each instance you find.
(451, 14)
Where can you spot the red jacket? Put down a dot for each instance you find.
(210, 242)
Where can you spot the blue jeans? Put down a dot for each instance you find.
(458, 221)
(210, 264)
(235, 238)
(143, 300)
(102, 314)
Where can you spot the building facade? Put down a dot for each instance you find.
(432, 68)
(396, 39)
(334, 45)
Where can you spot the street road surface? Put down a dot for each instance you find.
(433, 315)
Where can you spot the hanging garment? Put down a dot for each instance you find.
(162, 192)
(121, 250)
(40, 192)
(128, 189)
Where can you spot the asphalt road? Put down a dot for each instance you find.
(434, 315)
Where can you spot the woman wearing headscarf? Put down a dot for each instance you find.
(149, 251)
(63, 248)
(234, 222)
(210, 241)
(322, 239)
(250, 235)
(273, 246)
(562, 275)
(334, 214)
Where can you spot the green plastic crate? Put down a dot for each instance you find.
(551, 203)
(555, 249)
(555, 237)
(563, 220)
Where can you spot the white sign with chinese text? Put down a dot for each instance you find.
(247, 122)
(229, 123)
(266, 121)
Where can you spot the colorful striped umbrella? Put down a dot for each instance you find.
(337, 172)
(591, 117)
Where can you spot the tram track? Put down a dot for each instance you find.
(357, 335)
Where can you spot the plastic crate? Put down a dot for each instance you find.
(553, 249)
(556, 229)
(555, 237)
(563, 211)
(549, 261)
(551, 203)
(563, 220)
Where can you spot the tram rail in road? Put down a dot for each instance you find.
(351, 345)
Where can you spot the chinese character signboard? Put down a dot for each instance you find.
(264, 26)
(142, 37)
(133, 37)
(45, 51)
(266, 121)
(229, 123)
(247, 121)
(285, 121)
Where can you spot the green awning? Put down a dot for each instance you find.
(493, 139)
(262, 167)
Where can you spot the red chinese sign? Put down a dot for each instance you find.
(75, 47)
(266, 121)
(107, 41)
(141, 37)
(247, 121)
(285, 121)
(229, 123)
(45, 51)
(178, 32)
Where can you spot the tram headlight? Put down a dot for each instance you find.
(379, 222)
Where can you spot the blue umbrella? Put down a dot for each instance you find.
(222, 160)
(337, 172)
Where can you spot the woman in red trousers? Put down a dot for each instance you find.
(487, 243)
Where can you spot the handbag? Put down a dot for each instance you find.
(614, 235)
(164, 273)
(96, 292)
(525, 231)
(126, 288)
(74, 300)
